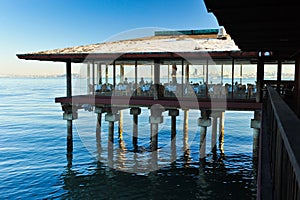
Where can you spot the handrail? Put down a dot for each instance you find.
(284, 128)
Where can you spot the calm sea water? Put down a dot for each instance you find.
(34, 165)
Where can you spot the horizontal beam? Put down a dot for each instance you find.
(123, 102)
(110, 57)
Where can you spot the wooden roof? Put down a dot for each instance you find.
(155, 47)
(260, 25)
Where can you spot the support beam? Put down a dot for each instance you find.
(279, 72)
(135, 112)
(99, 71)
(232, 78)
(221, 132)
(155, 119)
(88, 77)
(69, 121)
(156, 79)
(214, 133)
(121, 73)
(98, 111)
(93, 78)
(173, 74)
(185, 128)
(173, 113)
(135, 74)
(120, 127)
(256, 125)
(260, 80)
(106, 74)
(297, 86)
(114, 74)
(111, 118)
(203, 122)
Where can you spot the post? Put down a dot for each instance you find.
(120, 127)
(106, 73)
(232, 78)
(173, 113)
(222, 74)
(187, 74)
(69, 121)
(221, 132)
(182, 75)
(206, 79)
(93, 78)
(98, 111)
(260, 78)
(214, 133)
(297, 86)
(99, 73)
(241, 74)
(156, 79)
(173, 74)
(135, 112)
(122, 73)
(279, 71)
(88, 77)
(135, 74)
(203, 122)
(185, 128)
(111, 118)
(114, 74)
(155, 119)
(256, 124)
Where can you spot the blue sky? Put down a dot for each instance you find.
(34, 25)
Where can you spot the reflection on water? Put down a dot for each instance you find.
(224, 178)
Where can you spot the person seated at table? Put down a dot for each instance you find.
(125, 81)
(142, 82)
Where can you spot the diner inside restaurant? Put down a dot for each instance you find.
(231, 79)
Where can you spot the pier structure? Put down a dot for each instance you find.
(113, 83)
(219, 68)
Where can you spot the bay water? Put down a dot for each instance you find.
(34, 165)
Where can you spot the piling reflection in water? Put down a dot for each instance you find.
(175, 164)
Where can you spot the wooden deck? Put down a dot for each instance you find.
(167, 102)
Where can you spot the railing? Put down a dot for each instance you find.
(282, 127)
(179, 90)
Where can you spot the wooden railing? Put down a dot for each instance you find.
(282, 128)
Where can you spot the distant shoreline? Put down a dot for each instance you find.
(37, 76)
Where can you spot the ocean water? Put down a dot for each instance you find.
(34, 164)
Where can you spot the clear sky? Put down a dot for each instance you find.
(35, 25)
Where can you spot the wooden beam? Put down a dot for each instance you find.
(69, 79)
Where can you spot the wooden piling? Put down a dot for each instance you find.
(120, 127)
(135, 112)
(155, 119)
(221, 131)
(214, 134)
(204, 121)
(98, 128)
(69, 121)
(154, 136)
(185, 128)
(69, 136)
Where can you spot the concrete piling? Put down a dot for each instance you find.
(135, 112)
(155, 119)
(204, 121)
